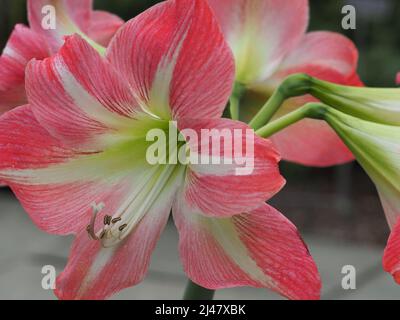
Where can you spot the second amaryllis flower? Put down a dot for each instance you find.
(39, 41)
(269, 42)
(81, 141)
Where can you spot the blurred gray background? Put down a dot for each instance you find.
(336, 209)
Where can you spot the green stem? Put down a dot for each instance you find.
(268, 110)
(234, 108)
(195, 292)
(234, 102)
(310, 110)
(292, 86)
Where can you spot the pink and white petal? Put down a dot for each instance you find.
(26, 151)
(261, 33)
(57, 185)
(23, 45)
(324, 50)
(71, 17)
(24, 144)
(103, 26)
(77, 95)
(188, 68)
(391, 259)
(65, 209)
(260, 249)
(233, 169)
(94, 272)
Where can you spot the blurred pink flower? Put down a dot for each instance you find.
(269, 41)
(27, 43)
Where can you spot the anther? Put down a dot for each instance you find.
(121, 228)
(115, 220)
(107, 220)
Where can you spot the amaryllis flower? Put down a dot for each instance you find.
(39, 42)
(76, 159)
(269, 42)
(376, 147)
(398, 78)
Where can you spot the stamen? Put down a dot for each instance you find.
(136, 205)
(90, 228)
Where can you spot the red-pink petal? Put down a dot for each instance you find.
(77, 95)
(354, 80)
(23, 45)
(261, 33)
(71, 16)
(31, 164)
(65, 209)
(24, 144)
(322, 50)
(260, 249)
(221, 189)
(103, 26)
(391, 259)
(398, 78)
(176, 59)
(94, 272)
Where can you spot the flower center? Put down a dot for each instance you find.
(152, 180)
(117, 227)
